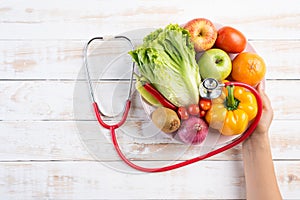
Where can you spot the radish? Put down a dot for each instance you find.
(193, 130)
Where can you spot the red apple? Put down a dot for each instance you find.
(203, 33)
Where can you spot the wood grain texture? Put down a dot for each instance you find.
(260, 20)
(50, 143)
(41, 100)
(85, 140)
(29, 60)
(93, 180)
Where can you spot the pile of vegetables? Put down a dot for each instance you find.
(169, 80)
(166, 59)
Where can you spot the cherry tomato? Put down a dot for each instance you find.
(205, 104)
(182, 113)
(230, 40)
(202, 113)
(194, 109)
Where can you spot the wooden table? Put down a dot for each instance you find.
(42, 153)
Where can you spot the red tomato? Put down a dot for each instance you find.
(230, 40)
(205, 104)
(194, 109)
(202, 113)
(182, 113)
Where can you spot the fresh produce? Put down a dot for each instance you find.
(165, 119)
(215, 63)
(203, 33)
(230, 40)
(183, 113)
(172, 61)
(139, 85)
(167, 60)
(248, 68)
(193, 130)
(205, 104)
(202, 113)
(194, 109)
(159, 97)
(232, 111)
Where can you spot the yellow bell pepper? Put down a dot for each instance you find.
(231, 112)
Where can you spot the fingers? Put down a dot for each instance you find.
(267, 108)
(264, 97)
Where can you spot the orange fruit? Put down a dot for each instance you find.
(248, 68)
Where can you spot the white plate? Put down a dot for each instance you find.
(214, 138)
(110, 100)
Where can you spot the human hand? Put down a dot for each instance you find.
(267, 114)
(266, 118)
(257, 157)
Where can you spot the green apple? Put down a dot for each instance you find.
(215, 63)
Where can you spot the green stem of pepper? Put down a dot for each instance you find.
(231, 102)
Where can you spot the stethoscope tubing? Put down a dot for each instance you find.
(126, 110)
(240, 139)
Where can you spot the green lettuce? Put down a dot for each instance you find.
(167, 60)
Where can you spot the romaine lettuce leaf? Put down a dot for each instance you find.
(167, 59)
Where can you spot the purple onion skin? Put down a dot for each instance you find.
(193, 130)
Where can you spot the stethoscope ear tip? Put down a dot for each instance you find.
(210, 88)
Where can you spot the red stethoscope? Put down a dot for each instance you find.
(209, 88)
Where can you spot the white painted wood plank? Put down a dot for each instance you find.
(63, 59)
(48, 20)
(278, 56)
(92, 180)
(41, 141)
(70, 140)
(42, 100)
(60, 167)
(40, 59)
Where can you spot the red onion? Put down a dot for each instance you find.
(193, 130)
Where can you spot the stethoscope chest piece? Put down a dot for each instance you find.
(210, 88)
